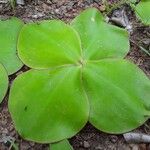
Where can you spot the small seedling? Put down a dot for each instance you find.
(78, 74)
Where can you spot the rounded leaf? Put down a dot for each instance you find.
(9, 31)
(3, 82)
(51, 105)
(99, 39)
(118, 93)
(142, 11)
(47, 44)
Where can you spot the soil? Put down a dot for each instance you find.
(89, 138)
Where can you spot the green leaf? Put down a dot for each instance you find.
(48, 43)
(9, 31)
(99, 39)
(62, 145)
(51, 105)
(3, 82)
(119, 95)
(142, 11)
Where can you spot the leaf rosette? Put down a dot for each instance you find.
(78, 74)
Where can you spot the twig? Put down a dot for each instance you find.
(136, 137)
(142, 48)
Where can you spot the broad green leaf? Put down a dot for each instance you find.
(118, 93)
(62, 145)
(9, 31)
(99, 39)
(51, 105)
(3, 82)
(142, 11)
(48, 43)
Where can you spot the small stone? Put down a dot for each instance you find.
(80, 143)
(4, 1)
(57, 11)
(102, 8)
(146, 41)
(99, 147)
(32, 144)
(24, 146)
(113, 139)
(38, 15)
(49, 1)
(86, 144)
(134, 147)
(142, 147)
(5, 131)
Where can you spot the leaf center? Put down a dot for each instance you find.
(81, 62)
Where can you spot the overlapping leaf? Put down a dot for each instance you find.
(9, 31)
(54, 101)
(99, 39)
(3, 82)
(49, 44)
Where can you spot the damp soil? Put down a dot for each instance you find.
(89, 138)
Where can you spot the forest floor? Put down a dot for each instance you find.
(89, 138)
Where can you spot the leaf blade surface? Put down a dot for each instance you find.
(9, 31)
(48, 44)
(118, 93)
(99, 39)
(51, 105)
